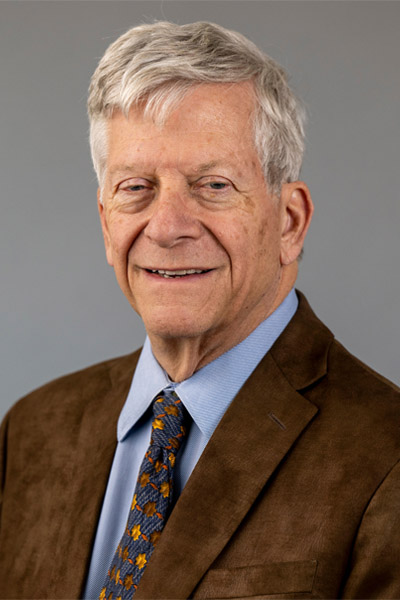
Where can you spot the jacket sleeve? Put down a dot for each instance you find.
(375, 565)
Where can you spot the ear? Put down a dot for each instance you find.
(297, 210)
(105, 230)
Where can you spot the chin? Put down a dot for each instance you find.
(171, 325)
(170, 331)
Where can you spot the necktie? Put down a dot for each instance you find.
(151, 501)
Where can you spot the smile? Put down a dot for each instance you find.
(178, 273)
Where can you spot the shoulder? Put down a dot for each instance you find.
(62, 402)
(365, 403)
(308, 352)
(355, 404)
(351, 374)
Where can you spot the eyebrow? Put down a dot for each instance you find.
(198, 170)
(206, 166)
(121, 169)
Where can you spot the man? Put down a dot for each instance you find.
(278, 476)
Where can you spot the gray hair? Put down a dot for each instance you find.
(157, 64)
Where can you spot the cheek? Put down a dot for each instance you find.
(268, 233)
(123, 235)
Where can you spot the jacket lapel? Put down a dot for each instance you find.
(92, 460)
(260, 426)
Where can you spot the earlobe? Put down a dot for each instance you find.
(104, 228)
(297, 210)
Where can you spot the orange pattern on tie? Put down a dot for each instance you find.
(152, 499)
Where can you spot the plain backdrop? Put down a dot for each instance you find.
(61, 308)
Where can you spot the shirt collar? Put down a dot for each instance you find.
(148, 380)
(208, 392)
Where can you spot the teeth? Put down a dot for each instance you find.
(178, 273)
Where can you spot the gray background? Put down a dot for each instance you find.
(61, 308)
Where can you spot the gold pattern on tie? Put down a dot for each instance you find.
(152, 499)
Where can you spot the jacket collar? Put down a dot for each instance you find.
(302, 350)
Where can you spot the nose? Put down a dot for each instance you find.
(173, 219)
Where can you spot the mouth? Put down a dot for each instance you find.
(169, 274)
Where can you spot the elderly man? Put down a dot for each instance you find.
(244, 452)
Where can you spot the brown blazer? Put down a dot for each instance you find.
(297, 494)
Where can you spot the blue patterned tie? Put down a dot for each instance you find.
(151, 501)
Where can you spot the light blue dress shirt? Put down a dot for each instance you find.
(206, 395)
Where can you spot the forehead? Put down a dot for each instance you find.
(212, 121)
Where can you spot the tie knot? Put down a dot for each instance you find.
(169, 421)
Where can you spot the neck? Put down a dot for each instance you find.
(182, 357)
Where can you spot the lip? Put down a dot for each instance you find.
(184, 278)
(189, 268)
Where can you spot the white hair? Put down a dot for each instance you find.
(156, 65)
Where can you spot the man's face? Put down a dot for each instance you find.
(189, 225)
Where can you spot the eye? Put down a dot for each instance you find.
(134, 186)
(213, 183)
(217, 185)
(214, 190)
(133, 194)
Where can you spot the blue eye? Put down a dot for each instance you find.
(217, 185)
(136, 188)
